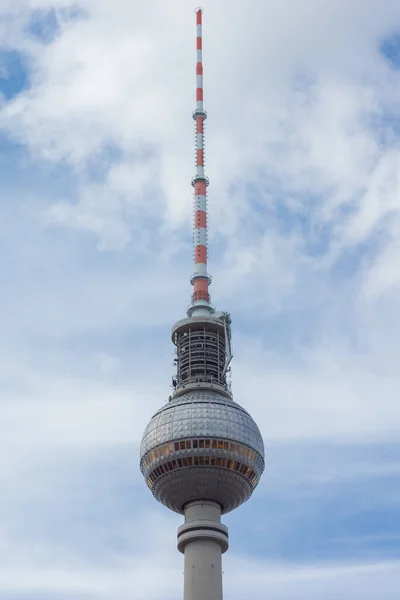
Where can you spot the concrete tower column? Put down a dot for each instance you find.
(203, 540)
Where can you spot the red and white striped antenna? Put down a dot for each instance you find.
(200, 279)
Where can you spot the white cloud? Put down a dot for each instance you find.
(136, 579)
(324, 393)
(331, 581)
(303, 160)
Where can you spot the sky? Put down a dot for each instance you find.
(96, 159)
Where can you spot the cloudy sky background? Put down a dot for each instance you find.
(96, 157)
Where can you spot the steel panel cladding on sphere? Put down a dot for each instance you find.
(226, 463)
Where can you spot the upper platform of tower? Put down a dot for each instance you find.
(203, 353)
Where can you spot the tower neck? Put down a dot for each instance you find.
(200, 279)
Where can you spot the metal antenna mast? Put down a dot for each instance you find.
(200, 279)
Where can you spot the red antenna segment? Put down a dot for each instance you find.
(200, 278)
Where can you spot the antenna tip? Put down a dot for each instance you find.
(199, 9)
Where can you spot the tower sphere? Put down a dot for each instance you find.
(202, 446)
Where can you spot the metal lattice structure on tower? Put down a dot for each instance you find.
(202, 455)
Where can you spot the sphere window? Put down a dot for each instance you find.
(207, 444)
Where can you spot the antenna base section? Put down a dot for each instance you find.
(200, 308)
(199, 112)
(197, 178)
(205, 276)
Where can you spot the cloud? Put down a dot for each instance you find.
(302, 154)
(329, 582)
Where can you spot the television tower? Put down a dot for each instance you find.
(202, 454)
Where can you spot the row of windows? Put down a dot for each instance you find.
(171, 447)
(200, 335)
(206, 461)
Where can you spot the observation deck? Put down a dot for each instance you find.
(203, 353)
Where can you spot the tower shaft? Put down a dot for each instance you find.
(203, 539)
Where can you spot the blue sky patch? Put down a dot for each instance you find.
(13, 73)
(45, 25)
(390, 49)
